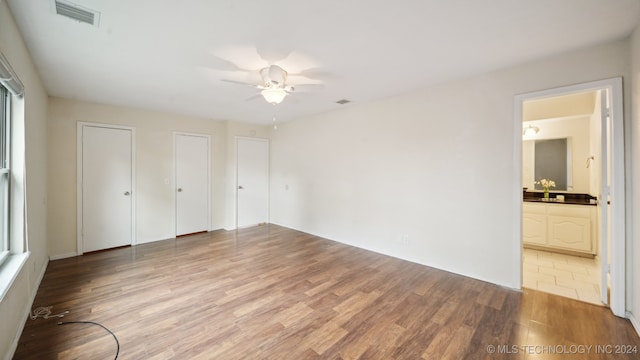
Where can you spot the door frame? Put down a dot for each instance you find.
(266, 140)
(617, 269)
(79, 152)
(175, 178)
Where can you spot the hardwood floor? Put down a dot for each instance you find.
(273, 293)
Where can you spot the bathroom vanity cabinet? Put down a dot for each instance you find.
(554, 226)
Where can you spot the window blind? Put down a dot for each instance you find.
(9, 79)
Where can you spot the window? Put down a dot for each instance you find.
(5, 116)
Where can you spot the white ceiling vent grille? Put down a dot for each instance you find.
(77, 12)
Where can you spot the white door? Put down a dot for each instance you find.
(252, 181)
(192, 183)
(603, 197)
(106, 186)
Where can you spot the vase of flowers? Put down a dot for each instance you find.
(546, 185)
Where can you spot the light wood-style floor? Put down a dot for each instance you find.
(273, 293)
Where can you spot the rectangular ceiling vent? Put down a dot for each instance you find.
(77, 12)
(343, 101)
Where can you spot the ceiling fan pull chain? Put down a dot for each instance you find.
(275, 126)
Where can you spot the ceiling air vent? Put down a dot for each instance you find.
(343, 101)
(77, 12)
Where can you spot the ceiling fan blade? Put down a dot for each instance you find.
(255, 96)
(299, 79)
(238, 82)
(303, 88)
(273, 53)
(314, 73)
(219, 63)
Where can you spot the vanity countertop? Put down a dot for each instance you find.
(569, 198)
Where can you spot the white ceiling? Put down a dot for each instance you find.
(171, 55)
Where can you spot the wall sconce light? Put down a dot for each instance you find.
(530, 130)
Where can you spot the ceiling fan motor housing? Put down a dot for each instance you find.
(273, 75)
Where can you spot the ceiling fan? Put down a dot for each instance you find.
(274, 87)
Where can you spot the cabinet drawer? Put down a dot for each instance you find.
(577, 211)
(534, 208)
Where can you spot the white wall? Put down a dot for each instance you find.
(155, 213)
(633, 281)
(30, 164)
(434, 167)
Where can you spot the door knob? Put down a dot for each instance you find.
(179, 189)
(127, 193)
(240, 187)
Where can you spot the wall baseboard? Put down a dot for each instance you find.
(634, 322)
(27, 312)
(62, 256)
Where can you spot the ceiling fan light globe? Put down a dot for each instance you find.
(274, 96)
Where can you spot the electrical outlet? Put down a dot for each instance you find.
(403, 239)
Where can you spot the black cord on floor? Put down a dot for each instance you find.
(102, 326)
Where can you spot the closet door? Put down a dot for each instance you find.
(106, 188)
(252, 181)
(192, 183)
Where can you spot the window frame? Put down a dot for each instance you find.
(5, 172)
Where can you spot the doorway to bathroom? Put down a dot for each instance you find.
(572, 172)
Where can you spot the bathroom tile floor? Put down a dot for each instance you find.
(565, 275)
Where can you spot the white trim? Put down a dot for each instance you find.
(27, 310)
(618, 201)
(175, 178)
(80, 126)
(62, 256)
(634, 322)
(10, 270)
(603, 207)
(517, 189)
(618, 191)
(5, 230)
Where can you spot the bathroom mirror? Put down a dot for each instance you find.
(548, 159)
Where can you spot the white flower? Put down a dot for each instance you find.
(546, 183)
